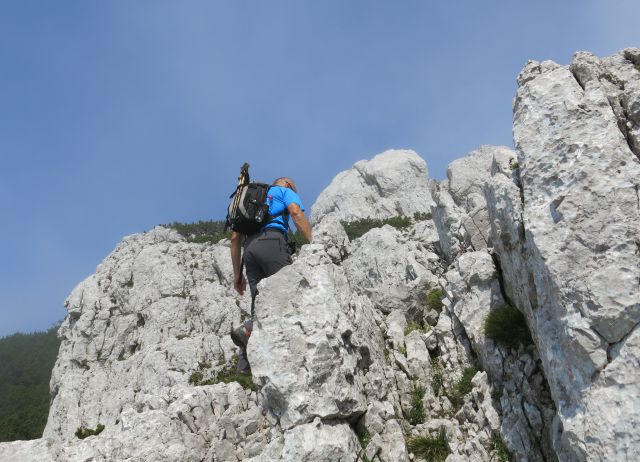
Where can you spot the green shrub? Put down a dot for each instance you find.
(421, 216)
(434, 299)
(230, 374)
(431, 448)
(502, 452)
(227, 374)
(202, 231)
(462, 387)
(196, 378)
(298, 240)
(83, 433)
(358, 228)
(514, 165)
(365, 439)
(507, 326)
(437, 379)
(417, 415)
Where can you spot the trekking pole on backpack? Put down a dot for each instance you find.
(243, 179)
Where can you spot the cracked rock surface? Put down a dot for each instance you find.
(575, 129)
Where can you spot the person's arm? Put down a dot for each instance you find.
(239, 282)
(300, 219)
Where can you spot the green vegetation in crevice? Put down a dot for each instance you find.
(507, 326)
(26, 361)
(431, 448)
(462, 388)
(365, 439)
(296, 241)
(358, 228)
(202, 231)
(437, 379)
(417, 327)
(434, 299)
(421, 216)
(502, 452)
(228, 373)
(83, 432)
(417, 414)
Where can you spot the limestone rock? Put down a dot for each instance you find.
(394, 272)
(578, 252)
(320, 442)
(475, 286)
(393, 183)
(39, 450)
(300, 350)
(154, 310)
(460, 209)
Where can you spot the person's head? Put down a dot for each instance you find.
(286, 182)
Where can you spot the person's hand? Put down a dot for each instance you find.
(240, 284)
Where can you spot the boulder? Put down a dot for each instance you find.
(301, 349)
(393, 183)
(571, 262)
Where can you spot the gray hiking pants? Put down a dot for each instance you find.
(265, 253)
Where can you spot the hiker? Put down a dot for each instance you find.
(265, 252)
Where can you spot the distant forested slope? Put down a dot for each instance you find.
(26, 361)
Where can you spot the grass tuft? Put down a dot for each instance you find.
(434, 299)
(230, 374)
(227, 374)
(417, 414)
(431, 448)
(507, 326)
(462, 387)
(421, 216)
(202, 231)
(358, 228)
(502, 452)
(83, 432)
(437, 379)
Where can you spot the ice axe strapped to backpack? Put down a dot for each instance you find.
(249, 211)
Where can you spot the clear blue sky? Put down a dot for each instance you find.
(116, 116)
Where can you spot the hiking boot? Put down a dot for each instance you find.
(239, 337)
(243, 363)
(245, 371)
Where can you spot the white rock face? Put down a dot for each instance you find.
(301, 348)
(35, 450)
(392, 183)
(393, 271)
(156, 308)
(316, 442)
(460, 207)
(528, 411)
(570, 255)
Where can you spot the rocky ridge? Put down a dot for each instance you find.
(349, 361)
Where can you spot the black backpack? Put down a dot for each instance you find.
(248, 211)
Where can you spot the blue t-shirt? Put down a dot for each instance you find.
(278, 199)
